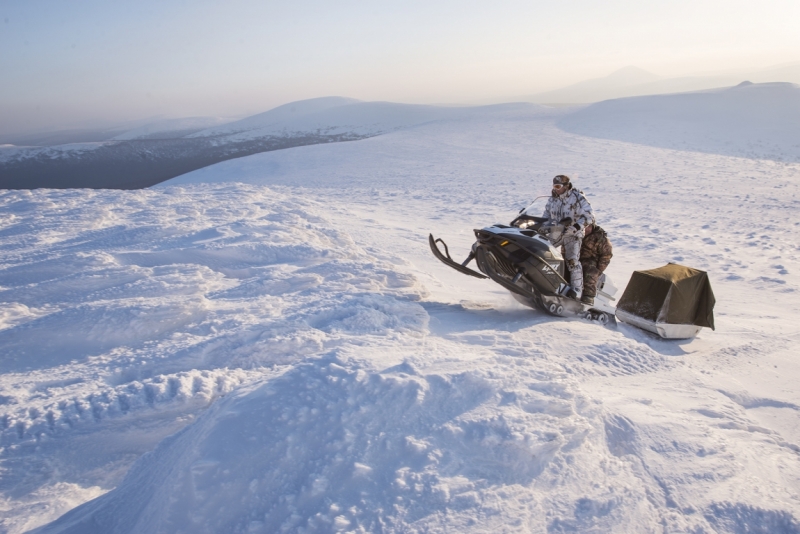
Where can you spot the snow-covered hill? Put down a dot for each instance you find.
(286, 354)
(749, 120)
(345, 116)
(284, 115)
(158, 151)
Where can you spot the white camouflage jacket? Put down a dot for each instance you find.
(570, 204)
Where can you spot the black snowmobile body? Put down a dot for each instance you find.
(525, 258)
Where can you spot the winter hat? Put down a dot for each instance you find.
(562, 179)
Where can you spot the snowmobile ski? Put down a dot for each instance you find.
(447, 260)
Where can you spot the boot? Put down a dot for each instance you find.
(573, 294)
(588, 300)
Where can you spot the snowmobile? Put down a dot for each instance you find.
(525, 257)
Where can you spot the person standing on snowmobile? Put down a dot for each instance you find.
(595, 257)
(568, 206)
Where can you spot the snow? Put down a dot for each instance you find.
(268, 345)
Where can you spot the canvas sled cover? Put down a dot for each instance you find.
(671, 294)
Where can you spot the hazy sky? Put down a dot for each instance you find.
(74, 63)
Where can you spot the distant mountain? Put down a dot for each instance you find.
(285, 114)
(337, 116)
(597, 88)
(156, 152)
(749, 120)
(171, 128)
(62, 137)
(139, 129)
(632, 81)
(789, 72)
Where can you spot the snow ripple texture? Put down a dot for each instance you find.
(334, 446)
(116, 302)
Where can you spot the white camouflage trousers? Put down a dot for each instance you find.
(572, 255)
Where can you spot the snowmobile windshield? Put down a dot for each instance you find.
(536, 208)
(531, 214)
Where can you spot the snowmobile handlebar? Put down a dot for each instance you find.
(553, 232)
(527, 218)
(523, 216)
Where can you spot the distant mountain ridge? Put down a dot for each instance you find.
(151, 128)
(281, 114)
(598, 88)
(171, 128)
(633, 81)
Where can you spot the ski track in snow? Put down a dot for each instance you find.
(326, 372)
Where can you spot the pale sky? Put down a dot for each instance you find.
(68, 64)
